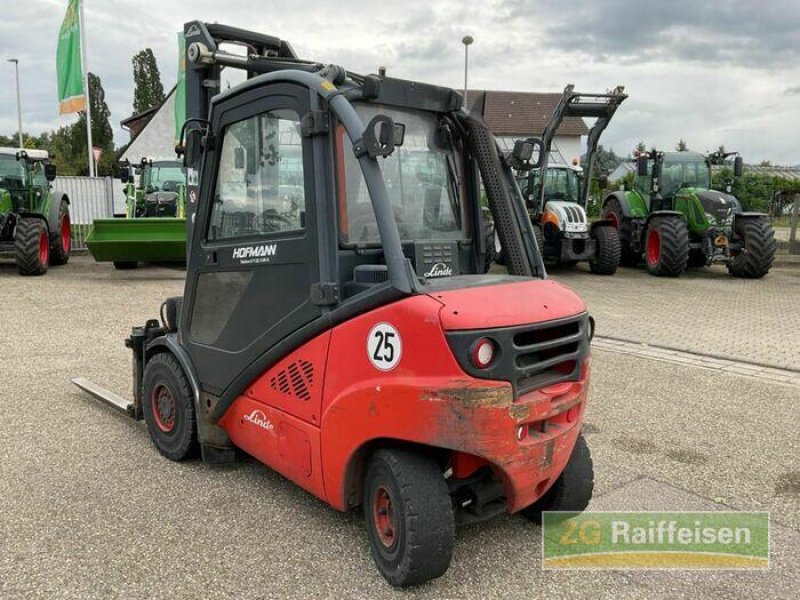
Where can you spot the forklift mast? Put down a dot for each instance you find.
(577, 104)
(205, 62)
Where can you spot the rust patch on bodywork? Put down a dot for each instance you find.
(471, 396)
(547, 454)
(519, 412)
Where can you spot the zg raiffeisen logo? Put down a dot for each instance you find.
(647, 540)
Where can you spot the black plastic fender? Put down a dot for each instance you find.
(215, 445)
(598, 223)
(623, 202)
(664, 213)
(749, 215)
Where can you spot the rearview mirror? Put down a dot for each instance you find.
(527, 154)
(392, 132)
(641, 165)
(738, 166)
(602, 182)
(123, 174)
(49, 171)
(193, 148)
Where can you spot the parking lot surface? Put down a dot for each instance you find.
(91, 510)
(704, 311)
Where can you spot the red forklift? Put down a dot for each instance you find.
(337, 322)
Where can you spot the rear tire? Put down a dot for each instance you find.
(168, 407)
(122, 265)
(612, 211)
(32, 246)
(759, 248)
(607, 257)
(666, 246)
(573, 489)
(409, 516)
(61, 239)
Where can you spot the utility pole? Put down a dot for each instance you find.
(466, 40)
(19, 101)
(85, 68)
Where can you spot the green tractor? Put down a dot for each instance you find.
(153, 228)
(556, 195)
(34, 217)
(673, 219)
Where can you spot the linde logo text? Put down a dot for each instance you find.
(439, 270)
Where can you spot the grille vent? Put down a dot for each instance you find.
(295, 380)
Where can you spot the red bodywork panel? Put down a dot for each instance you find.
(315, 432)
(508, 304)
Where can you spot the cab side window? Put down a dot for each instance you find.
(260, 184)
(38, 178)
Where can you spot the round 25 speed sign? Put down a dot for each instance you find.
(384, 346)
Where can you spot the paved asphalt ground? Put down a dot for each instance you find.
(90, 510)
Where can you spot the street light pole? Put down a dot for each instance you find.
(19, 100)
(466, 40)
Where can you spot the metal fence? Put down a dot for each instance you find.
(90, 198)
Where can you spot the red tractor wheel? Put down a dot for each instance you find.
(32, 246)
(61, 239)
(666, 246)
(612, 210)
(409, 516)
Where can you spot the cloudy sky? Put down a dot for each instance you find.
(721, 72)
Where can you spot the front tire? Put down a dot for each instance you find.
(666, 246)
(607, 258)
(573, 489)
(758, 239)
(168, 408)
(32, 246)
(61, 239)
(409, 517)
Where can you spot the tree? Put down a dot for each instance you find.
(148, 91)
(102, 134)
(681, 146)
(605, 160)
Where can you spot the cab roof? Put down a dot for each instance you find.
(32, 153)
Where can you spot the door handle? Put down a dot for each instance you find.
(211, 258)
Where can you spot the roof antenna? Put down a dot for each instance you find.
(382, 72)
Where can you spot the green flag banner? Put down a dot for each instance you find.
(180, 88)
(68, 63)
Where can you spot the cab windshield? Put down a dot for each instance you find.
(559, 184)
(677, 173)
(164, 176)
(12, 172)
(422, 179)
(684, 173)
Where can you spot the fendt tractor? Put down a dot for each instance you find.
(344, 338)
(34, 217)
(556, 194)
(154, 188)
(153, 228)
(673, 218)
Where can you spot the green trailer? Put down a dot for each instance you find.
(153, 228)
